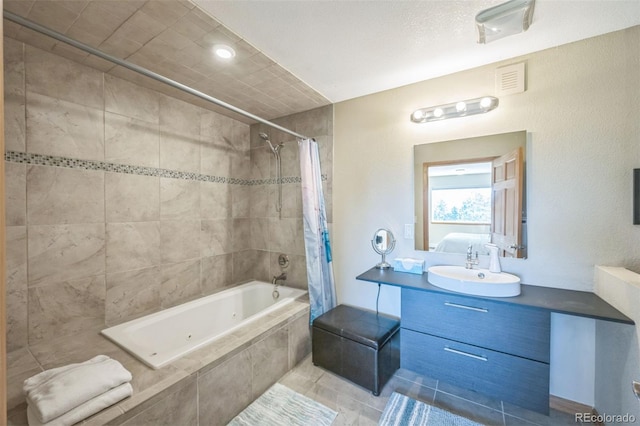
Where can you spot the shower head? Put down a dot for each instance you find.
(274, 149)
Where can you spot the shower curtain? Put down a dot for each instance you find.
(322, 291)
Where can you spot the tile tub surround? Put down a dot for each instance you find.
(219, 380)
(122, 201)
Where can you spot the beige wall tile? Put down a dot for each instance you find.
(15, 194)
(215, 200)
(132, 198)
(60, 78)
(14, 96)
(299, 340)
(131, 141)
(131, 100)
(180, 240)
(179, 199)
(262, 204)
(259, 229)
(57, 195)
(215, 160)
(179, 118)
(16, 289)
(180, 282)
(250, 264)
(241, 234)
(178, 408)
(216, 237)
(286, 236)
(240, 201)
(270, 360)
(57, 127)
(179, 152)
(132, 294)
(66, 308)
(291, 200)
(60, 253)
(260, 159)
(226, 390)
(216, 273)
(216, 129)
(132, 245)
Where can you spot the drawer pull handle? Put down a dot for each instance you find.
(455, 351)
(471, 308)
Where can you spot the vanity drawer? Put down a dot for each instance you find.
(520, 381)
(499, 326)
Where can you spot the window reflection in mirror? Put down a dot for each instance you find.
(471, 192)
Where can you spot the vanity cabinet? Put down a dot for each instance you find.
(494, 348)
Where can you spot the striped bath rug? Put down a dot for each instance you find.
(404, 411)
(280, 406)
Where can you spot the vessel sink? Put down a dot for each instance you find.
(478, 282)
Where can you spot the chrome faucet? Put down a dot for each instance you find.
(471, 261)
(281, 277)
(274, 281)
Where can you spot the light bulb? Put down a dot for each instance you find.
(461, 106)
(223, 51)
(438, 112)
(418, 115)
(485, 102)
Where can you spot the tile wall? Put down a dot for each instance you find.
(273, 233)
(122, 201)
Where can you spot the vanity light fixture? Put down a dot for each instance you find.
(223, 51)
(503, 20)
(455, 109)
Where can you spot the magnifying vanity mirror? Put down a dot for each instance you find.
(383, 243)
(470, 192)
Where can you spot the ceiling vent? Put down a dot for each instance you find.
(510, 79)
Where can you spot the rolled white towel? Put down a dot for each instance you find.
(54, 392)
(86, 409)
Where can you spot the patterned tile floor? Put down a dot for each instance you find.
(357, 406)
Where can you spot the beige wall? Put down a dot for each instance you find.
(580, 109)
(132, 201)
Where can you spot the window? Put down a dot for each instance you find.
(461, 205)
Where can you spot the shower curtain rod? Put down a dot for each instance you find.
(140, 70)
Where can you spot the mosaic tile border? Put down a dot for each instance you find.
(73, 163)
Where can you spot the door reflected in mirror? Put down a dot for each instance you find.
(470, 192)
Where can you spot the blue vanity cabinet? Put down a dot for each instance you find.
(496, 346)
(498, 349)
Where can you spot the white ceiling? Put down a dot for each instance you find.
(346, 49)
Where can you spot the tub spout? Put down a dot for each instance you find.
(281, 277)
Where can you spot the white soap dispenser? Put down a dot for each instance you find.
(494, 260)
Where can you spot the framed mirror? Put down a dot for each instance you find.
(469, 192)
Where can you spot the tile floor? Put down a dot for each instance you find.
(357, 406)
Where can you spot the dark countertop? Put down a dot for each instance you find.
(570, 302)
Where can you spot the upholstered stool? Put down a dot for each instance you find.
(357, 344)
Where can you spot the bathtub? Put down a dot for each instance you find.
(162, 337)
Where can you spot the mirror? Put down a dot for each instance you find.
(383, 243)
(470, 192)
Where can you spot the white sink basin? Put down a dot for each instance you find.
(478, 282)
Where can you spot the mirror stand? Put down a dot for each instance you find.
(383, 243)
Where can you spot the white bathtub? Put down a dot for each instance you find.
(160, 338)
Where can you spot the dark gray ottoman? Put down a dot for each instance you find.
(357, 344)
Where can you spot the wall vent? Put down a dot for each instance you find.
(510, 79)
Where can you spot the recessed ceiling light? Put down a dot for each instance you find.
(223, 51)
